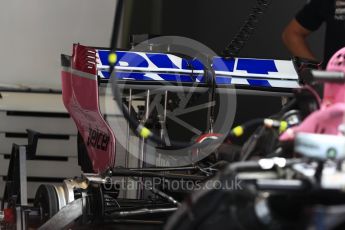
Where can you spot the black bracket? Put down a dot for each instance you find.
(15, 192)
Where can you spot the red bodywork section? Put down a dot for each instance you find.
(80, 97)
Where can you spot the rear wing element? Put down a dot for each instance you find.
(80, 97)
(159, 67)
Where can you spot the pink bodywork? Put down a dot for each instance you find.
(80, 97)
(332, 112)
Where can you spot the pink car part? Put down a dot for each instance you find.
(332, 112)
(80, 97)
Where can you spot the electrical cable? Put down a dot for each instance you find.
(268, 123)
(314, 93)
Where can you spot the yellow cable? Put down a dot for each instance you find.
(283, 126)
(238, 131)
(145, 132)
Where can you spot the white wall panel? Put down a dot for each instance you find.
(35, 32)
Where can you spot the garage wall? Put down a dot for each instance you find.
(215, 22)
(33, 34)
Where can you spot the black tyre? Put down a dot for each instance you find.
(46, 199)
